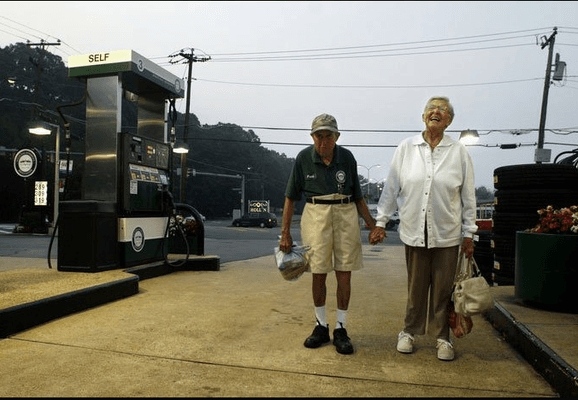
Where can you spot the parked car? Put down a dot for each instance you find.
(263, 220)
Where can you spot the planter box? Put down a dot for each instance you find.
(546, 270)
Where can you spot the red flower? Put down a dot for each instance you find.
(564, 220)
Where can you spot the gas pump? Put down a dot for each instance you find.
(122, 218)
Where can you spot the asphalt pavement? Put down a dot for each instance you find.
(238, 331)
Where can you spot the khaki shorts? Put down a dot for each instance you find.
(332, 231)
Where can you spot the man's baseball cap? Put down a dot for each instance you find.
(324, 122)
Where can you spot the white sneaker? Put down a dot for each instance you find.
(445, 350)
(405, 342)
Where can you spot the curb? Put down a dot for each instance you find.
(21, 317)
(196, 263)
(561, 376)
(18, 318)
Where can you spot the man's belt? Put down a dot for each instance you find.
(312, 200)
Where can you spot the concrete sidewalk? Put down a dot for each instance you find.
(239, 331)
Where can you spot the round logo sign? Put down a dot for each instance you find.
(138, 239)
(25, 163)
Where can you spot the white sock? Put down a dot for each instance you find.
(320, 315)
(341, 318)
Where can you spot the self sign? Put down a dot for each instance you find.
(98, 57)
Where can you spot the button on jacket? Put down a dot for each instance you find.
(436, 187)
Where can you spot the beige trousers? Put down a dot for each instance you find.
(430, 279)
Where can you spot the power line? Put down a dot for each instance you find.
(10, 33)
(32, 34)
(364, 86)
(292, 55)
(364, 55)
(27, 27)
(503, 146)
(481, 132)
(381, 45)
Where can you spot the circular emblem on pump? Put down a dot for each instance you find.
(25, 163)
(340, 176)
(138, 239)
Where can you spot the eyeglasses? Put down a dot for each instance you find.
(441, 108)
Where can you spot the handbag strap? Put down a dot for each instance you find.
(466, 268)
(461, 269)
(475, 270)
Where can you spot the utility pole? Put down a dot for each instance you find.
(35, 115)
(541, 154)
(190, 59)
(42, 45)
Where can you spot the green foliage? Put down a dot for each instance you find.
(483, 194)
(227, 149)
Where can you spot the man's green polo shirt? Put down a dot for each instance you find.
(311, 177)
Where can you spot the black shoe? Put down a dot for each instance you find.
(342, 342)
(319, 336)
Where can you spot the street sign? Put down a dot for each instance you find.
(258, 206)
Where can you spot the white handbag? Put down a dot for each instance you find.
(472, 293)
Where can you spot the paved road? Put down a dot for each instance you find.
(221, 239)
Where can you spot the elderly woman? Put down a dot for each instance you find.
(431, 183)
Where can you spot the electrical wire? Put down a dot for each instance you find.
(391, 44)
(367, 86)
(570, 160)
(364, 55)
(516, 131)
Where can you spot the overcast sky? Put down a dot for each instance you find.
(372, 65)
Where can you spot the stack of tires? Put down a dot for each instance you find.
(522, 190)
(484, 254)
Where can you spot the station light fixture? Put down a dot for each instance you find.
(469, 136)
(43, 128)
(181, 147)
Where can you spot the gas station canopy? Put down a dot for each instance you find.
(139, 72)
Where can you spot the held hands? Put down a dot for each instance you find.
(376, 235)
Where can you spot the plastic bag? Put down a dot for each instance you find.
(293, 264)
(459, 324)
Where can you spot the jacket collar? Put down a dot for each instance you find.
(419, 140)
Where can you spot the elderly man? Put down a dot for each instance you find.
(326, 174)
